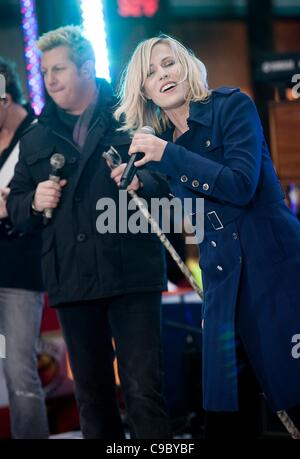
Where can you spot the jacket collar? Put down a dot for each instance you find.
(202, 112)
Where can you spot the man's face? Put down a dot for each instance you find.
(65, 83)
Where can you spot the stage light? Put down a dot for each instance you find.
(30, 34)
(94, 30)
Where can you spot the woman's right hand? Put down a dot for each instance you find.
(153, 148)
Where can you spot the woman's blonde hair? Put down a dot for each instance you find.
(134, 109)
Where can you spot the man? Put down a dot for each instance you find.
(21, 297)
(103, 285)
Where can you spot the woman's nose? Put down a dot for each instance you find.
(163, 76)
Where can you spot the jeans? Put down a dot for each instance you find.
(20, 320)
(134, 322)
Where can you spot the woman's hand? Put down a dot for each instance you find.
(152, 147)
(117, 173)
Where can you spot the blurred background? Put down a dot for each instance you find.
(252, 44)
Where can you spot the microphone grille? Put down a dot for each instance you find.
(147, 130)
(57, 161)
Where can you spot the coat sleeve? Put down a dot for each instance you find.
(235, 180)
(155, 185)
(20, 198)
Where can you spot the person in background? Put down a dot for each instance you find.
(211, 146)
(103, 284)
(21, 286)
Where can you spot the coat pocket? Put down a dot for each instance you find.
(39, 155)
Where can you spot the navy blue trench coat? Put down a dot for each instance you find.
(250, 255)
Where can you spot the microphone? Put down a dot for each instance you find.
(57, 162)
(130, 169)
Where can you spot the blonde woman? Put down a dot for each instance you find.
(210, 145)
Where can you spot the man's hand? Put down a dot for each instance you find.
(47, 195)
(152, 147)
(117, 173)
(4, 192)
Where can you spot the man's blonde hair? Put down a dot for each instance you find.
(71, 36)
(134, 108)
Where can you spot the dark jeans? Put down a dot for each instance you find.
(134, 322)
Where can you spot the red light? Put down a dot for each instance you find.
(138, 8)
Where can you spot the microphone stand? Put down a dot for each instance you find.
(113, 160)
(166, 243)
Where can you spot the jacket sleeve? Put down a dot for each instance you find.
(235, 180)
(20, 197)
(155, 185)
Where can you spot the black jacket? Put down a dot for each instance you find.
(79, 263)
(20, 257)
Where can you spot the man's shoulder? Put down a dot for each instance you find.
(35, 142)
(34, 132)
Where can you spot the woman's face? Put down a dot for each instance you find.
(163, 83)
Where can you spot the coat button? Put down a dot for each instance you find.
(183, 178)
(81, 237)
(78, 198)
(219, 268)
(235, 236)
(72, 160)
(205, 187)
(213, 243)
(208, 143)
(195, 183)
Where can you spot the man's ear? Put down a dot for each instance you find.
(88, 69)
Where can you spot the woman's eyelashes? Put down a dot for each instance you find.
(164, 65)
